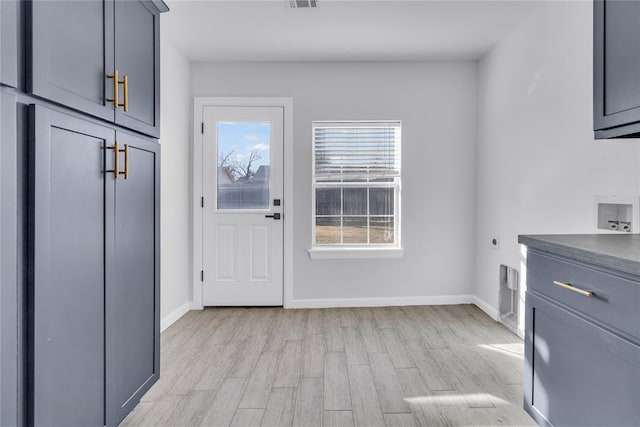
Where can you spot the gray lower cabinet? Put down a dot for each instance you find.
(8, 263)
(132, 297)
(582, 353)
(70, 198)
(95, 271)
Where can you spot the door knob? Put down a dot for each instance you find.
(274, 216)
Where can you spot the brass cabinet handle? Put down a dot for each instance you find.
(126, 161)
(573, 288)
(125, 82)
(116, 95)
(116, 81)
(116, 152)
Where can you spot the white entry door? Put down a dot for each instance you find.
(242, 214)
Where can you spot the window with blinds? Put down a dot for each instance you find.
(356, 183)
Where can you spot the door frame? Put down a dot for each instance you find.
(286, 103)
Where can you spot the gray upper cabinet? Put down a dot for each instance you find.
(9, 42)
(137, 35)
(98, 57)
(72, 54)
(616, 69)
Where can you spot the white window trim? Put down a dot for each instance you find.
(363, 251)
(351, 252)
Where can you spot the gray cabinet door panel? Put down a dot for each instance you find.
(72, 54)
(133, 293)
(616, 63)
(8, 263)
(577, 374)
(69, 196)
(137, 54)
(9, 42)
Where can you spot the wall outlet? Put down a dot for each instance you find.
(495, 243)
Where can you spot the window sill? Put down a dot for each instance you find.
(355, 253)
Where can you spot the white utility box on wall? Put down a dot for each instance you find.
(617, 213)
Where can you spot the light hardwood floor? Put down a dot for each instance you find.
(392, 366)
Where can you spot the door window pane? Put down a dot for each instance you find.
(243, 165)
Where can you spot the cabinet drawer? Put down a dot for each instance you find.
(614, 301)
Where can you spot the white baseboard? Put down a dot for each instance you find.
(486, 307)
(382, 302)
(176, 314)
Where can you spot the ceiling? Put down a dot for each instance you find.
(355, 30)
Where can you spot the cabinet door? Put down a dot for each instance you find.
(577, 374)
(137, 56)
(72, 54)
(9, 42)
(8, 262)
(68, 268)
(616, 63)
(132, 306)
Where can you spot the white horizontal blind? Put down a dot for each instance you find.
(356, 151)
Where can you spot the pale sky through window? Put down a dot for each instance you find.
(244, 137)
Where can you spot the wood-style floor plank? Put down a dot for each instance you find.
(224, 405)
(256, 393)
(247, 418)
(399, 420)
(279, 411)
(308, 411)
(387, 384)
(364, 398)
(314, 349)
(395, 343)
(191, 411)
(337, 395)
(354, 346)
(290, 366)
(448, 366)
(338, 419)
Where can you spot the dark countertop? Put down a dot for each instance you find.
(619, 252)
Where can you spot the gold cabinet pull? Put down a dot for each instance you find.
(125, 82)
(126, 161)
(116, 91)
(116, 153)
(573, 288)
(116, 81)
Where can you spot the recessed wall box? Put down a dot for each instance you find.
(617, 214)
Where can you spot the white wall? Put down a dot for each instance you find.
(539, 167)
(175, 124)
(437, 105)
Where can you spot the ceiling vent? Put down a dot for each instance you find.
(295, 4)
